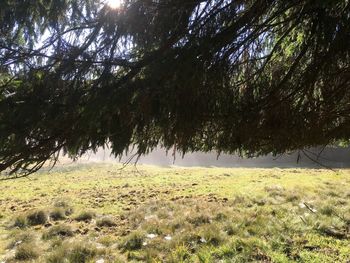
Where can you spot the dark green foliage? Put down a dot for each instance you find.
(253, 77)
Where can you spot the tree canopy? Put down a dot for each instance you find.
(236, 76)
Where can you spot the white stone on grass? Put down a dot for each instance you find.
(151, 236)
(301, 205)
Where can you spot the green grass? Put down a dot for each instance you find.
(153, 214)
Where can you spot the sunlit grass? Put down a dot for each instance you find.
(172, 214)
(115, 4)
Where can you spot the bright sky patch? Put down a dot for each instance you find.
(115, 4)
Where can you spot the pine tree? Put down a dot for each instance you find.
(236, 76)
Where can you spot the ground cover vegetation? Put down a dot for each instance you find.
(99, 213)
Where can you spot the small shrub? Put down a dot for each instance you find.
(105, 222)
(58, 231)
(134, 241)
(82, 253)
(58, 214)
(85, 216)
(37, 217)
(20, 221)
(26, 252)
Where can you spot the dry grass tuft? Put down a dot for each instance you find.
(26, 252)
(57, 214)
(20, 221)
(105, 222)
(134, 241)
(85, 216)
(59, 231)
(37, 217)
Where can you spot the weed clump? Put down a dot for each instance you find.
(58, 231)
(292, 197)
(26, 252)
(212, 235)
(226, 251)
(133, 242)
(58, 256)
(204, 255)
(20, 221)
(328, 210)
(37, 217)
(105, 222)
(64, 204)
(73, 253)
(21, 238)
(61, 203)
(199, 220)
(107, 240)
(85, 216)
(334, 231)
(231, 229)
(180, 254)
(82, 253)
(220, 216)
(57, 214)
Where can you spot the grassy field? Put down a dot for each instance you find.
(100, 213)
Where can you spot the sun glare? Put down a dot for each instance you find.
(115, 4)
